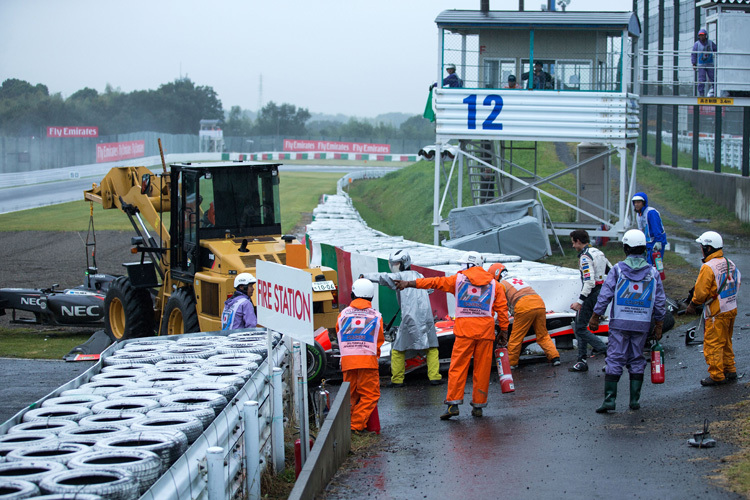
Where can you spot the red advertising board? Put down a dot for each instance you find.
(72, 131)
(113, 151)
(335, 147)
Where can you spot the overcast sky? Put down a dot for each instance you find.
(360, 58)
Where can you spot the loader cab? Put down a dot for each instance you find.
(218, 201)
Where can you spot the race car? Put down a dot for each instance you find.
(323, 358)
(79, 306)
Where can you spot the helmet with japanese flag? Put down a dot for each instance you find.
(498, 271)
(363, 289)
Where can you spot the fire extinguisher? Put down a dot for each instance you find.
(658, 263)
(503, 369)
(657, 364)
(322, 404)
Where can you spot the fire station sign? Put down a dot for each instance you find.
(285, 302)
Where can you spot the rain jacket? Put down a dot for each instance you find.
(637, 293)
(359, 361)
(417, 329)
(707, 286)
(479, 327)
(703, 54)
(239, 312)
(649, 221)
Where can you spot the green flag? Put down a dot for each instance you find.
(429, 113)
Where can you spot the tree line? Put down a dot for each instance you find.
(174, 108)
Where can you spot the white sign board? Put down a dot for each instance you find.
(285, 302)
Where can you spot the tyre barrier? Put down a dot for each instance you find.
(212, 400)
(127, 375)
(144, 465)
(85, 400)
(90, 435)
(27, 438)
(15, 488)
(130, 405)
(29, 470)
(196, 362)
(102, 388)
(134, 366)
(52, 426)
(73, 413)
(109, 484)
(225, 389)
(164, 380)
(141, 392)
(120, 358)
(168, 445)
(57, 452)
(205, 415)
(104, 419)
(144, 396)
(190, 426)
(250, 357)
(128, 367)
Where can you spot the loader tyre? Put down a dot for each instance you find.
(180, 315)
(128, 311)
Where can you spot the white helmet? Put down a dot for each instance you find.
(363, 289)
(637, 198)
(471, 258)
(634, 238)
(711, 239)
(244, 279)
(399, 260)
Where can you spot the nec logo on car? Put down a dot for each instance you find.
(80, 311)
(34, 301)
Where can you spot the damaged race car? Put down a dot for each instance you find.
(323, 361)
(79, 306)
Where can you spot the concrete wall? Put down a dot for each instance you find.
(330, 449)
(727, 190)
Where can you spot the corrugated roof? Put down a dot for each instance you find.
(708, 3)
(456, 19)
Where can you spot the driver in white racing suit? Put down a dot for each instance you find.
(417, 329)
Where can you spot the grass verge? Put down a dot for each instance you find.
(32, 343)
(299, 195)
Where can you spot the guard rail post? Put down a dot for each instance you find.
(215, 460)
(252, 450)
(277, 422)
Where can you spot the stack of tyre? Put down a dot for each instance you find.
(113, 437)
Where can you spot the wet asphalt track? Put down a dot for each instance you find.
(543, 441)
(546, 441)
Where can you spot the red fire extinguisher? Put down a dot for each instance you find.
(658, 263)
(503, 369)
(657, 364)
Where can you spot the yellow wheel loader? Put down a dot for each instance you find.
(198, 226)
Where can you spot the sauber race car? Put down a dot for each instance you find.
(80, 306)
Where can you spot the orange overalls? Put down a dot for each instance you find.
(719, 313)
(474, 337)
(360, 349)
(528, 310)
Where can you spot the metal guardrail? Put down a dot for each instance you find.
(731, 73)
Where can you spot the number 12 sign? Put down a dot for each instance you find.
(492, 100)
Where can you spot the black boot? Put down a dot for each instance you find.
(610, 393)
(636, 382)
